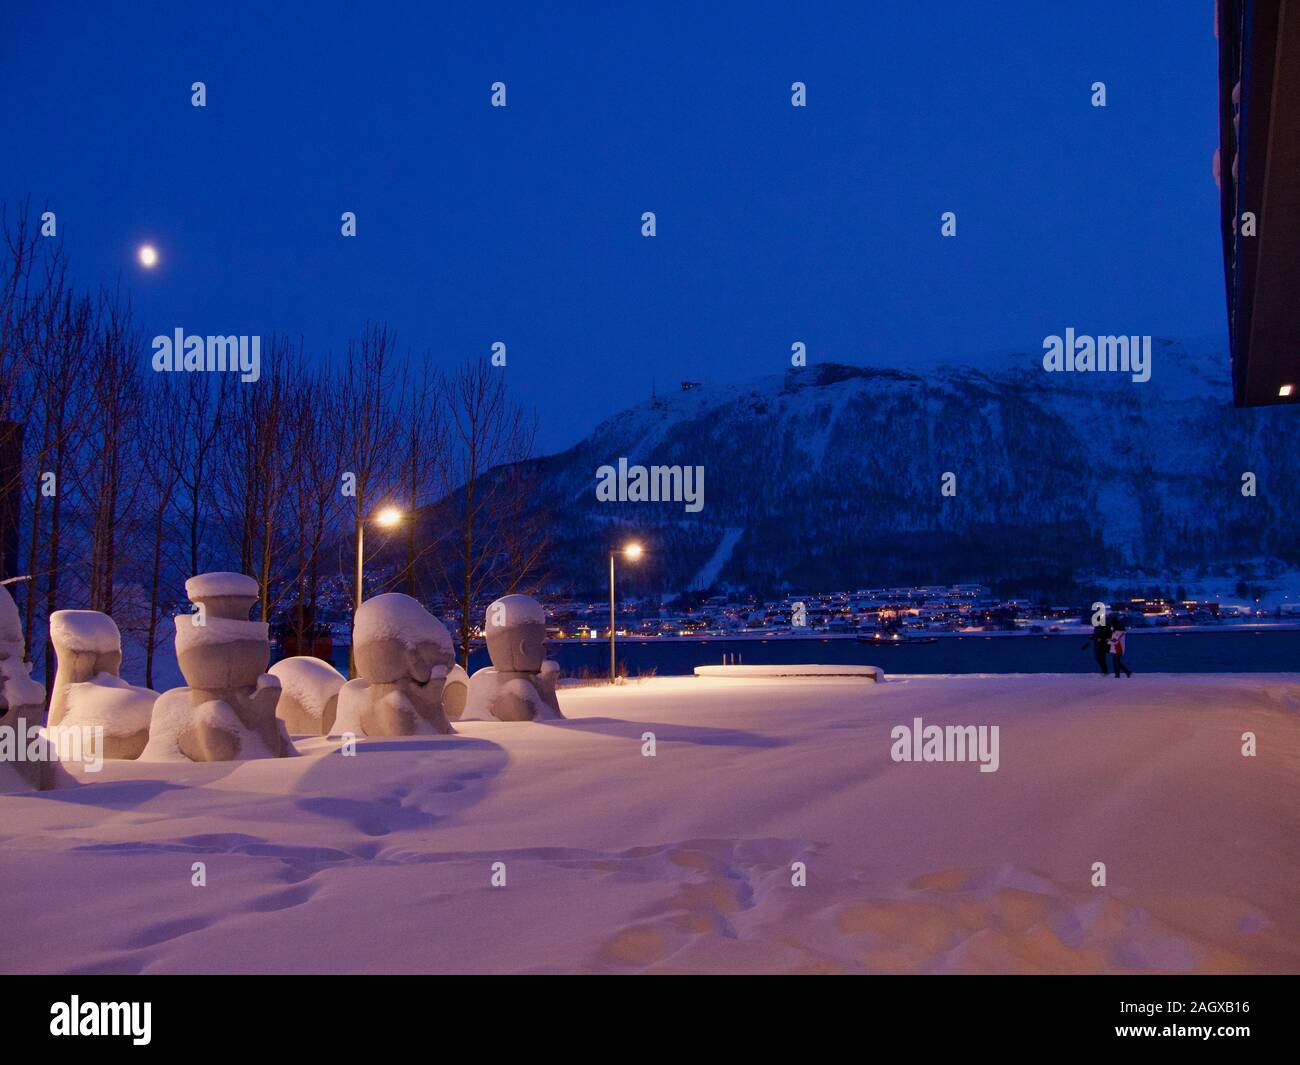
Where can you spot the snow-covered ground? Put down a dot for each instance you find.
(617, 862)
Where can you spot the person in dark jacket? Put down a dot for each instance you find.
(1117, 650)
(1100, 641)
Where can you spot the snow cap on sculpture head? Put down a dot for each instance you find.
(515, 626)
(223, 595)
(396, 637)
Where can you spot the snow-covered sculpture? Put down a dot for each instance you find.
(22, 704)
(309, 695)
(88, 691)
(402, 654)
(454, 692)
(231, 698)
(520, 683)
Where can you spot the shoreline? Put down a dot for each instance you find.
(1079, 632)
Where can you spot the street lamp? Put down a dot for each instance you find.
(387, 518)
(631, 552)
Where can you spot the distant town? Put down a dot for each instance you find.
(910, 612)
(905, 613)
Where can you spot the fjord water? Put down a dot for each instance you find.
(1250, 651)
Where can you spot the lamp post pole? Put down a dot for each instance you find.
(356, 603)
(631, 552)
(387, 517)
(611, 618)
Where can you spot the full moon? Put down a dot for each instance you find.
(148, 255)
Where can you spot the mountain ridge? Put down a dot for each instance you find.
(831, 476)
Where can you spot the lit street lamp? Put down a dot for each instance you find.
(386, 518)
(631, 552)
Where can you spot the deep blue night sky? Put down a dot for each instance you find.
(776, 224)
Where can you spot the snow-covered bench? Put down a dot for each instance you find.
(872, 673)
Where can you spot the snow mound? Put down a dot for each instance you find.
(312, 685)
(356, 697)
(172, 714)
(110, 703)
(495, 696)
(18, 688)
(865, 672)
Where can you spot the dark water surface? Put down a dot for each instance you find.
(1156, 652)
(1250, 651)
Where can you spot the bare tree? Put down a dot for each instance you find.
(203, 409)
(423, 447)
(60, 377)
(313, 495)
(164, 424)
(21, 299)
(487, 431)
(257, 464)
(109, 474)
(368, 426)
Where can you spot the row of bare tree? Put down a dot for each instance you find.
(122, 482)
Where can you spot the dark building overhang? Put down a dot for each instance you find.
(1259, 174)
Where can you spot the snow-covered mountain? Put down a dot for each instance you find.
(830, 476)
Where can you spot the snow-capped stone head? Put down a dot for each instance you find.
(515, 626)
(395, 638)
(222, 594)
(20, 696)
(11, 628)
(89, 640)
(86, 645)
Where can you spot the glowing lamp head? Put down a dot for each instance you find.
(632, 552)
(388, 517)
(148, 256)
(1286, 390)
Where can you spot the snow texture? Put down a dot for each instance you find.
(865, 672)
(18, 688)
(219, 585)
(217, 631)
(109, 702)
(394, 616)
(172, 714)
(354, 697)
(682, 862)
(85, 631)
(309, 681)
(11, 626)
(16, 685)
(487, 687)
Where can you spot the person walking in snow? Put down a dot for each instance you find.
(1100, 642)
(1117, 650)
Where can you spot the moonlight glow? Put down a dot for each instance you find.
(148, 255)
